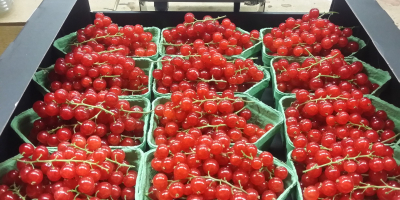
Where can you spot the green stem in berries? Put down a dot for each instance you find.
(204, 20)
(221, 99)
(309, 53)
(110, 76)
(132, 111)
(240, 110)
(206, 126)
(128, 90)
(100, 63)
(90, 106)
(63, 160)
(240, 70)
(110, 51)
(324, 148)
(339, 161)
(323, 99)
(342, 27)
(360, 126)
(266, 169)
(309, 67)
(60, 127)
(296, 27)
(246, 156)
(211, 80)
(327, 13)
(107, 159)
(255, 39)
(98, 37)
(155, 61)
(367, 185)
(175, 45)
(220, 181)
(387, 140)
(330, 76)
(132, 137)
(16, 190)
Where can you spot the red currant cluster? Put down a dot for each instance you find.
(206, 72)
(190, 116)
(90, 171)
(317, 72)
(208, 35)
(211, 170)
(340, 150)
(84, 69)
(309, 35)
(132, 40)
(71, 116)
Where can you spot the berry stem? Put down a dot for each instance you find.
(323, 99)
(321, 75)
(16, 190)
(360, 126)
(60, 127)
(212, 79)
(240, 70)
(387, 140)
(221, 181)
(309, 67)
(220, 99)
(110, 51)
(240, 110)
(62, 160)
(108, 159)
(327, 13)
(90, 106)
(128, 90)
(132, 111)
(110, 76)
(132, 137)
(204, 20)
(206, 126)
(339, 161)
(98, 37)
(367, 185)
(175, 45)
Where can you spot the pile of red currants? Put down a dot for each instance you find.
(75, 171)
(188, 117)
(309, 35)
(316, 73)
(207, 35)
(87, 70)
(212, 170)
(206, 72)
(105, 35)
(341, 146)
(74, 117)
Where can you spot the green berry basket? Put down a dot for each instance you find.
(266, 58)
(256, 90)
(297, 192)
(374, 75)
(391, 110)
(43, 83)
(23, 123)
(148, 173)
(261, 115)
(247, 53)
(63, 43)
(133, 155)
